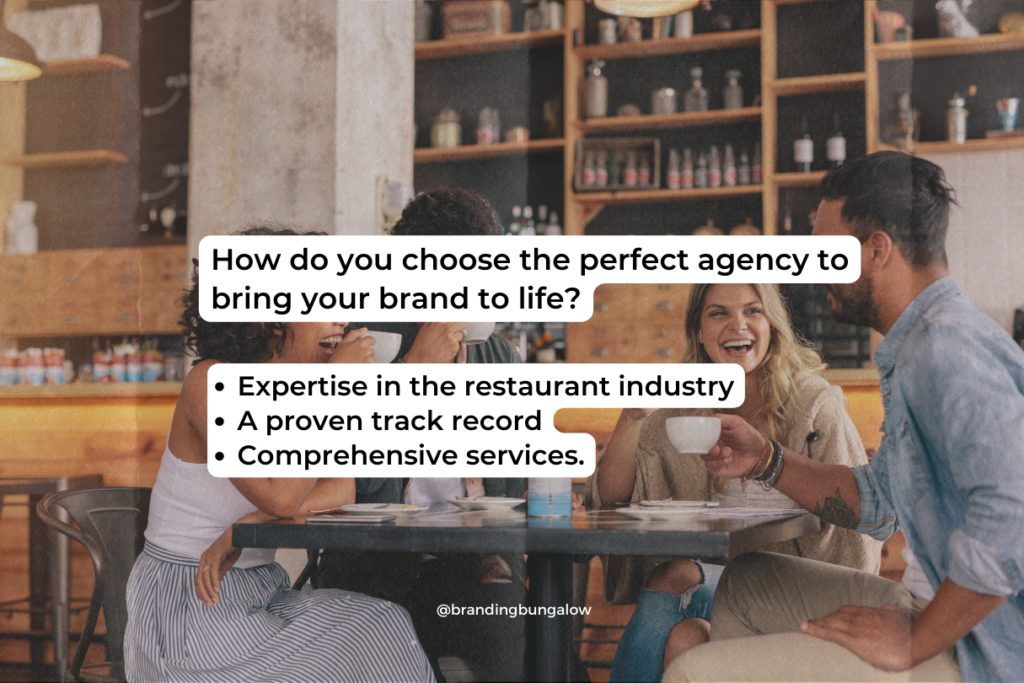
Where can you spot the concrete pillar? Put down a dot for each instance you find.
(297, 107)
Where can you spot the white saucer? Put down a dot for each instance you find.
(660, 512)
(383, 509)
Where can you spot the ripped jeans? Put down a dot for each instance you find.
(641, 649)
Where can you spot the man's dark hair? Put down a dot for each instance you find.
(233, 342)
(448, 211)
(903, 196)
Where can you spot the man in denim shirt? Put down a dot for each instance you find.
(949, 473)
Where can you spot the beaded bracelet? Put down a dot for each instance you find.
(776, 471)
(766, 458)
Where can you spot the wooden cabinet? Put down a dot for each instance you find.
(93, 292)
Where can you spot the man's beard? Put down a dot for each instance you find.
(854, 304)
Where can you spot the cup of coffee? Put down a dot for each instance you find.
(477, 333)
(693, 435)
(386, 345)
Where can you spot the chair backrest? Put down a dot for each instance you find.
(111, 524)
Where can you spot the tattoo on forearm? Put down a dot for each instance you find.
(836, 511)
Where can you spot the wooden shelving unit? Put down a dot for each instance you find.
(812, 179)
(442, 49)
(652, 196)
(982, 145)
(71, 67)
(617, 124)
(728, 40)
(808, 85)
(428, 155)
(944, 47)
(92, 157)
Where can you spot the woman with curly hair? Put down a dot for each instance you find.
(787, 402)
(200, 609)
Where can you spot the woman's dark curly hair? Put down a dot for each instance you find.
(233, 342)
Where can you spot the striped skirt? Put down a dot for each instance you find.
(260, 630)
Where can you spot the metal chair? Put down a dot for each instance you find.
(111, 524)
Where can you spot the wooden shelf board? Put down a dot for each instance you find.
(651, 196)
(92, 157)
(615, 124)
(726, 40)
(982, 145)
(812, 179)
(460, 47)
(942, 47)
(806, 85)
(81, 66)
(428, 155)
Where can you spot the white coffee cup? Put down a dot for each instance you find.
(694, 435)
(386, 346)
(477, 333)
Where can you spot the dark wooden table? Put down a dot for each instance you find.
(550, 543)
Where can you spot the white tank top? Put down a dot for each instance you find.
(190, 508)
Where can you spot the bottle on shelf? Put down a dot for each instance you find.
(803, 148)
(743, 172)
(589, 170)
(542, 219)
(787, 222)
(601, 169)
(672, 176)
(756, 174)
(644, 172)
(686, 178)
(516, 225)
(729, 172)
(597, 90)
(696, 98)
(630, 176)
(529, 228)
(614, 167)
(836, 145)
(714, 168)
(732, 94)
(700, 176)
(553, 229)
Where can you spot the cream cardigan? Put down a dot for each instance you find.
(662, 473)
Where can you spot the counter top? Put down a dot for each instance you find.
(93, 390)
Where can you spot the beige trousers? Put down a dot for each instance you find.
(761, 600)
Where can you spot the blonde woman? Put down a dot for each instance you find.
(787, 402)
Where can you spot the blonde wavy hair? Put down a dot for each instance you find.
(788, 355)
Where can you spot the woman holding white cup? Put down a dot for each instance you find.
(785, 400)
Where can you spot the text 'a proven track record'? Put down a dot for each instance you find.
(450, 420)
(482, 279)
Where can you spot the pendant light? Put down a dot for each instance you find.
(645, 8)
(17, 58)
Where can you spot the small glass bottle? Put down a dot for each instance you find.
(836, 145)
(631, 176)
(542, 219)
(589, 172)
(787, 222)
(687, 176)
(732, 94)
(553, 229)
(601, 169)
(597, 90)
(700, 176)
(743, 172)
(803, 148)
(516, 225)
(729, 171)
(614, 168)
(714, 168)
(528, 228)
(696, 98)
(672, 177)
(644, 172)
(756, 176)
